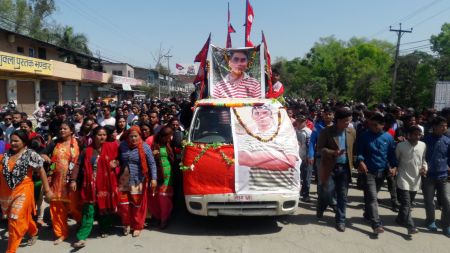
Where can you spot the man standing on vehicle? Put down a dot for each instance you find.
(336, 147)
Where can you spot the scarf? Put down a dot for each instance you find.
(102, 187)
(27, 159)
(140, 147)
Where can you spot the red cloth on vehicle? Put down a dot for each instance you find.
(211, 174)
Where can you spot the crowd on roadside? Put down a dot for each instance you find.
(99, 161)
(408, 149)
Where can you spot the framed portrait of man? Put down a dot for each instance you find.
(236, 73)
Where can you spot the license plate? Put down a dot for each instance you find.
(243, 197)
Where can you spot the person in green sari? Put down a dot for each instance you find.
(160, 201)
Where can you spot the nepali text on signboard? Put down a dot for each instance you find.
(13, 62)
(126, 80)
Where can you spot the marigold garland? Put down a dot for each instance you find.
(205, 148)
(254, 135)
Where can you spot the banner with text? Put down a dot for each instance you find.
(19, 63)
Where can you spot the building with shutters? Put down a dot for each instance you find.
(32, 71)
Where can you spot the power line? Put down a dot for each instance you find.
(414, 42)
(421, 46)
(407, 17)
(433, 16)
(95, 19)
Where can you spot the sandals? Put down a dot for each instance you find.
(58, 241)
(80, 244)
(126, 231)
(32, 240)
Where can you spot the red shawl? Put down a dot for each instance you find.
(104, 191)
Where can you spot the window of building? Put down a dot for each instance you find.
(31, 52)
(20, 50)
(42, 53)
(129, 73)
(117, 72)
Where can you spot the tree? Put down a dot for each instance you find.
(356, 69)
(416, 79)
(40, 10)
(68, 39)
(441, 45)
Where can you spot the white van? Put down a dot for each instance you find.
(241, 158)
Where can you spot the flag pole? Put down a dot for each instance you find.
(246, 18)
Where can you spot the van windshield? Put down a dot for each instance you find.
(212, 125)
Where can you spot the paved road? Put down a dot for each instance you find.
(301, 232)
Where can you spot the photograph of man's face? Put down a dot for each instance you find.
(262, 115)
(236, 73)
(238, 63)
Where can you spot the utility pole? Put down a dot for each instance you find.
(400, 33)
(167, 56)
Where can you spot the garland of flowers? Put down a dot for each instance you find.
(215, 146)
(259, 138)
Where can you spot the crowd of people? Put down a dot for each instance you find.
(408, 149)
(101, 161)
(90, 161)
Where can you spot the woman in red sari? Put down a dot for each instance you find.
(17, 189)
(160, 204)
(137, 170)
(99, 191)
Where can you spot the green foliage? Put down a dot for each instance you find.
(441, 45)
(416, 79)
(68, 39)
(358, 69)
(29, 17)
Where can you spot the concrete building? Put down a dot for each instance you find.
(119, 69)
(32, 71)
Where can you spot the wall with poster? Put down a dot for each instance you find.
(236, 73)
(266, 152)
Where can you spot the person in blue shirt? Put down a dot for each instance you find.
(336, 146)
(376, 159)
(437, 157)
(314, 157)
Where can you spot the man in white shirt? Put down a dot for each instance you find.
(107, 119)
(411, 166)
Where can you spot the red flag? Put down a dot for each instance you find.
(201, 56)
(230, 29)
(268, 63)
(248, 24)
(179, 67)
(201, 74)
